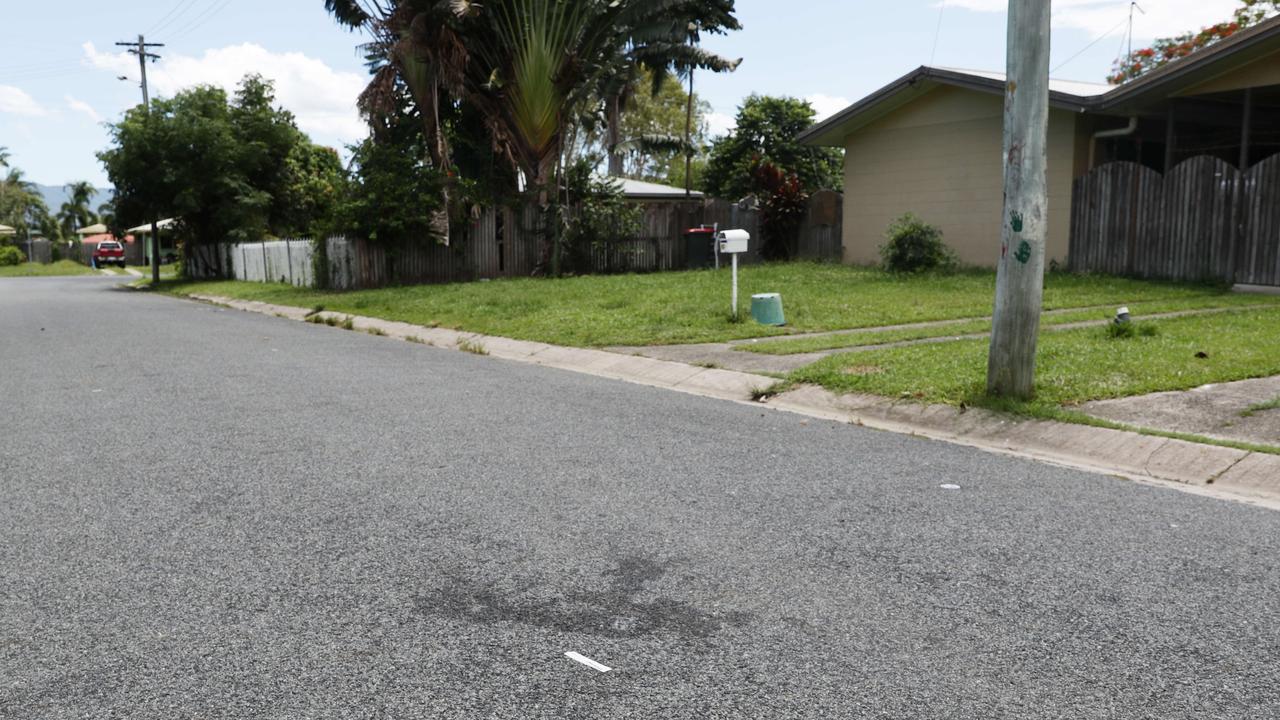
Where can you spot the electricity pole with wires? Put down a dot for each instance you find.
(1015, 324)
(139, 48)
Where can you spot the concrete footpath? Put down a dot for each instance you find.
(1205, 469)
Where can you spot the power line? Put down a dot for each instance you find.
(175, 13)
(199, 20)
(1096, 40)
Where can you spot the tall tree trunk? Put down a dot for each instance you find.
(614, 111)
(688, 133)
(542, 184)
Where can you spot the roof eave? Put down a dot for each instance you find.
(830, 132)
(1247, 45)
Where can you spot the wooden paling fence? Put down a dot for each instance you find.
(507, 242)
(1204, 220)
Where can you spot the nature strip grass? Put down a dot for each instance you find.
(61, 267)
(1073, 366)
(692, 306)
(970, 327)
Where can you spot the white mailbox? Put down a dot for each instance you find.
(733, 241)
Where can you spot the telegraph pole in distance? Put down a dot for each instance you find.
(1011, 362)
(139, 48)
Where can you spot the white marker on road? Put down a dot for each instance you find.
(587, 661)
(949, 486)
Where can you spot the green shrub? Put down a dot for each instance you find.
(10, 255)
(912, 245)
(601, 220)
(1131, 329)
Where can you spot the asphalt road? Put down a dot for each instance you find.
(211, 514)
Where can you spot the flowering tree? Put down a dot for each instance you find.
(1164, 50)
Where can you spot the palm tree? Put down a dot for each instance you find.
(75, 213)
(525, 65)
(665, 44)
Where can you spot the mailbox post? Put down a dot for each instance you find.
(733, 242)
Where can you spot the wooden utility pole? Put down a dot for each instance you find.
(1024, 222)
(688, 136)
(139, 48)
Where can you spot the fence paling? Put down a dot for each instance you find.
(506, 242)
(1204, 220)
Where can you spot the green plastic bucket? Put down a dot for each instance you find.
(766, 309)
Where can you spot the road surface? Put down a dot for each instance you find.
(206, 513)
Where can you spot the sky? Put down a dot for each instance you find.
(60, 66)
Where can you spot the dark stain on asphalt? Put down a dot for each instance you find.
(614, 611)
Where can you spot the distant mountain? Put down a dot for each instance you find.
(55, 195)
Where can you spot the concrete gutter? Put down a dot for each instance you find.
(1193, 467)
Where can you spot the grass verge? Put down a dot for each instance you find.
(62, 267)
(1073, 366)
(1212, 299)
(691, 306)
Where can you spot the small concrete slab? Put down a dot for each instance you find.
(1210, 410)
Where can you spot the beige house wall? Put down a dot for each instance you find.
(939, 158)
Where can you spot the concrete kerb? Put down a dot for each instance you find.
(1194, 467)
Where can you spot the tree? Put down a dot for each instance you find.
(107, 216)
(661, 45)
(528, 67)
(782, 206)
(75, 213)
(766, 131)
(650, 143)
(231, 170)
(310, 187)
(1167, 49)
(22, 207)
(393, 192)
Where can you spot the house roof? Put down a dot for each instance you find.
(6, 230)
(164, 224)
(641, 190)
(104, 237)
(1243, 47)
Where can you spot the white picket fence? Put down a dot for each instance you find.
(287, 261)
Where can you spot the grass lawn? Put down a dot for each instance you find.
(62, 267)
(1072, 365)
(1212, 298)
(686, 307)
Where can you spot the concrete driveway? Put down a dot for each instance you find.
(207, 513)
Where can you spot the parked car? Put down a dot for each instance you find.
(108, 252)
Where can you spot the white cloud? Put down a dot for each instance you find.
(322, 99)
(83, 107)
(1098, 17)
(719, 123)
(18, 102)
(826, 105)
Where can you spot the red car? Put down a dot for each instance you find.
(108, 252)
